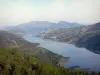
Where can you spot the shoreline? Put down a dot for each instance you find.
(62, 61)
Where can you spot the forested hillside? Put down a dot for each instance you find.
(12, 62)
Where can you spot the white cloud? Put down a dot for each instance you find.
(20, 11)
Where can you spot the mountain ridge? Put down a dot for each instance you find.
(84, 36)
(39, 26)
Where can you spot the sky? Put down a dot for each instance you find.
(13, 12)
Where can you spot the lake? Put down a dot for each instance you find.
(78, 56)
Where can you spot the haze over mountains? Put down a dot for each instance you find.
(39, 26)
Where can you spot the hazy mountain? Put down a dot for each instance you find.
(67, 24)
(40, 26)
(3, 27)
(32, 27)
(84, 36)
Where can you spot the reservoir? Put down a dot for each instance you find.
(78, 56)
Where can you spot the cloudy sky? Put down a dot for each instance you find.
(14, 12)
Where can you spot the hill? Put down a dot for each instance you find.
(35, 27)
(84, 36)
(9, 40)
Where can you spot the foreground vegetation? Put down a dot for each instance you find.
(13, 62)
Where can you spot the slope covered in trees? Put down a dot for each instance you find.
(12, 62)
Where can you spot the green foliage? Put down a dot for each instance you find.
(14, 63)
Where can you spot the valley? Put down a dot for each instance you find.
(77, 56)
(49, 37)
(58, 44)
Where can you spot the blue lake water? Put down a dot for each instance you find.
(78, 56)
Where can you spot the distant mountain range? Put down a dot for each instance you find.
(41, 26)
(83, 36)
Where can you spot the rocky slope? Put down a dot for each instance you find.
(84, 36)
(9, 40)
